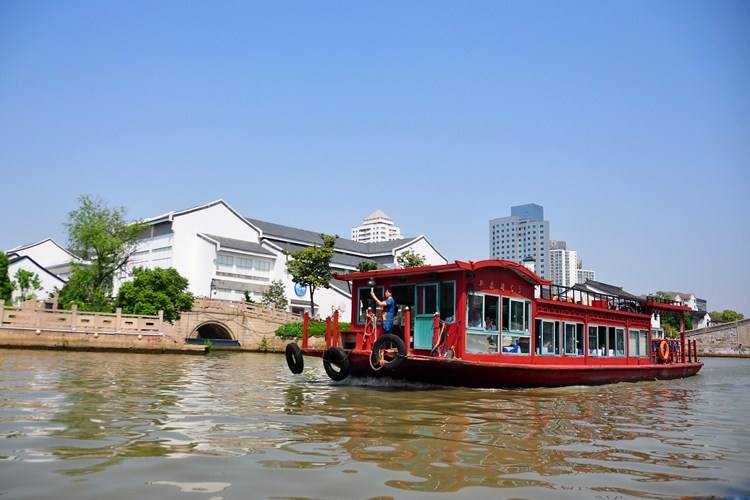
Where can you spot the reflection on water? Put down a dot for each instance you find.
(238, 425)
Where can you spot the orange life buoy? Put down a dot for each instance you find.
(664, 350)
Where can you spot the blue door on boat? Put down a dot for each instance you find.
(427, 306)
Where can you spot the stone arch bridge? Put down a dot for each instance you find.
(235, 324)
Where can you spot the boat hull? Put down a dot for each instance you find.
(456, 372)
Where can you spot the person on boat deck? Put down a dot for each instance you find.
(476, 320)
(389, 308)
(490, 324)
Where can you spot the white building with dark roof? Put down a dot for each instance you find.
(223, 255)
(47, 259)
(49, 254)
(377, 226)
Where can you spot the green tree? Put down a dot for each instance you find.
(671, 323)
(726, 316)
(105, 241)
(6, 286)
(275, 296)
(410, 259)
(366, 265)
(248, 298)
(154, 290)
(27, 283)
(311, 267)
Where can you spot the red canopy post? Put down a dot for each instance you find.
(305, 329)
(682, 338)
(336, 327)
(435, 328)
(407, 329)
(328, 331)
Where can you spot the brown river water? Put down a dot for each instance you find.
(239, 425)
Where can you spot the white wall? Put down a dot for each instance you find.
(48, 281)
(422, 247)
(326, 300)
(47, 254)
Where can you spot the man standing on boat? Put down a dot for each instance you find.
(389, 309)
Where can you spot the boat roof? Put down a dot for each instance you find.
(458, 265)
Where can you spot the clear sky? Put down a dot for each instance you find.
(628, 121)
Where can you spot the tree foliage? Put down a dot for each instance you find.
(275, 296)
(410, 259)
(311, 266)
(366, 265)
(6, 286)
(726, 316)
(671, 323)
(26, 282)
(105, 241)
(154, 290)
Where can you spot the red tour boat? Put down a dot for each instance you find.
(495, 323)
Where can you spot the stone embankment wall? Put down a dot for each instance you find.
(31, 325)
(726, 339)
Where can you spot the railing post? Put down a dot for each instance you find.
(682, 338)
(695, 349)
(336, 327)
(407, 330)
(37, 315)
(73, 316)
(305, 329)
(2, 311)
(161, 320)
(118, 319)
(435, 328)
(328, 331)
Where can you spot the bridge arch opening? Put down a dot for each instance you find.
(211, 330)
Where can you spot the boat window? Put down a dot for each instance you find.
(597, 340)
(427, 299)
(516, 326)
(643, 343)
(573, 339)
(365, 300)
(482, 332)
(547, 337)
(638, 340)
(448, 301)
(615, 341)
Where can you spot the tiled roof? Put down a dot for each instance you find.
(244, 246)
(377, 214)
(275, 232)
(340, 258)
(617, 291)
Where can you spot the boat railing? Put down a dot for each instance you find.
(591, 299)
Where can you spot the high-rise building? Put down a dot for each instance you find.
(523, 234)
(563, 266)
(376, 227)
(585, 274)
(557, 245)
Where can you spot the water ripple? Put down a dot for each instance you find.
(122, 422)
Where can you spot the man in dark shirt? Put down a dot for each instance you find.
(389, 309)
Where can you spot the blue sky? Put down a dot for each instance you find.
(628, 121)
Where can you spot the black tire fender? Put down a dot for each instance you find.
(336, 363)
(294, 358)
(380, 344)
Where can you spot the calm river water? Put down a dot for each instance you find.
(237, 425)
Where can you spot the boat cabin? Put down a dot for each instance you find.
(499, 311)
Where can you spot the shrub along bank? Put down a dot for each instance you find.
(315, 329)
